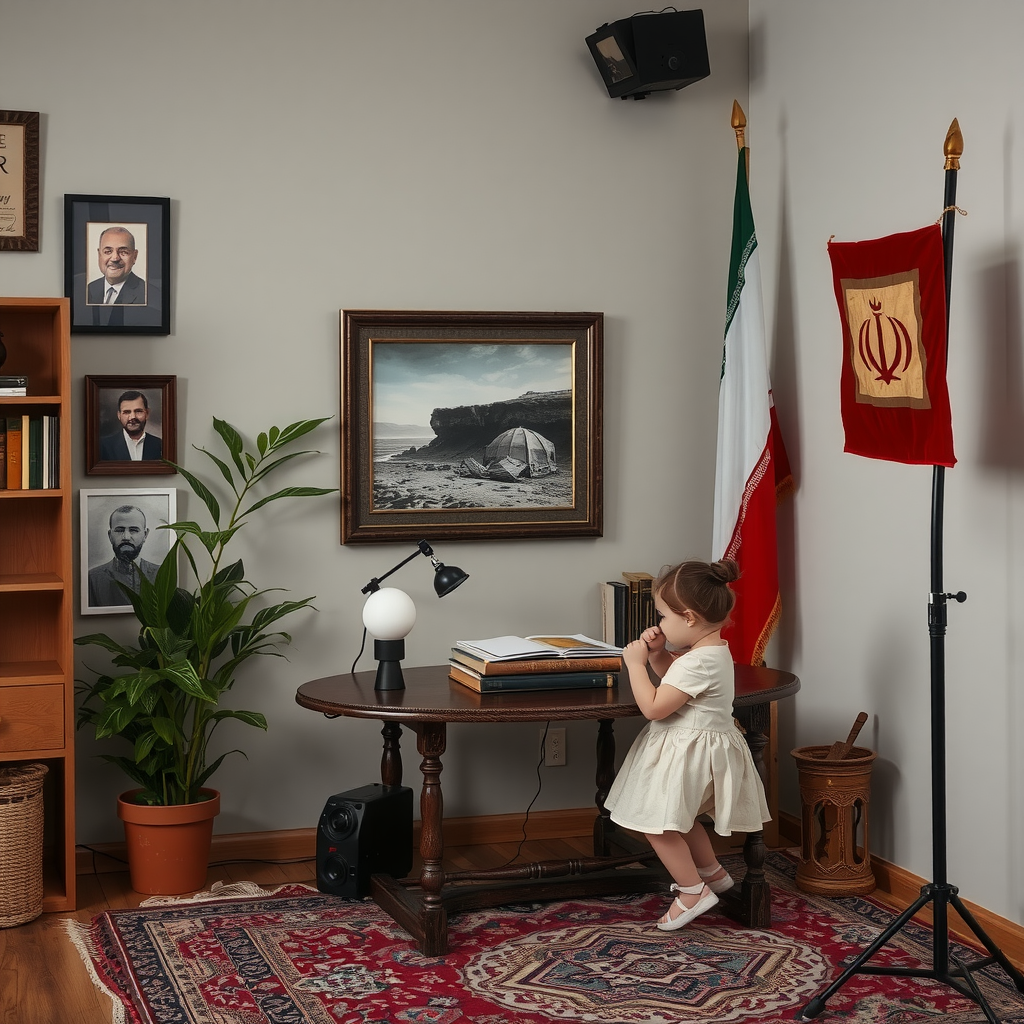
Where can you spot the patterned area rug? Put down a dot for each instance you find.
(295, 956)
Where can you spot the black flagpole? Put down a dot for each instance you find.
(938, 893)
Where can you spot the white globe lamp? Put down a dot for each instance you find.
(389, 614)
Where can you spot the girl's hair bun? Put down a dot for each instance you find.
(727, 571)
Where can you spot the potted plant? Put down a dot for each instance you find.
(164, 694)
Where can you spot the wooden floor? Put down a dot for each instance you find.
(43, 979)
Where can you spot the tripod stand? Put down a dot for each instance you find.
(938, 894)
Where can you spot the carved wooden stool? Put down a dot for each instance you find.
(835, 859)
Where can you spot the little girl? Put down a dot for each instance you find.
(690, 758)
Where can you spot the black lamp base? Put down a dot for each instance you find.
(389, 655)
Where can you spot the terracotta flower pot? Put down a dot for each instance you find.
(168, 847)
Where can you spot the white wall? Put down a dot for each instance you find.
(849, 107)
(331, 154)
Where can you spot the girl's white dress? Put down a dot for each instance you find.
(695, 761)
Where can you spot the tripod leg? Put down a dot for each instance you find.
(817, 1004)
(976, 992)
(1015, 976)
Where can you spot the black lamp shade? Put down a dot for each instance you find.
(447, 578)
(651, 52)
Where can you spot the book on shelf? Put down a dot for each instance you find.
(24, 452)
(14, 453)
(51, 449)
(614, 604)
(13, 392)
(3, 453)
(46, 452)
(35, 452)
(13, 387)
(536, 666)
(535, 681)
(54, 456)
(513, 648)
(641, 603)
(13, 380)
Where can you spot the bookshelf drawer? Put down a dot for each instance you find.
(31, 717)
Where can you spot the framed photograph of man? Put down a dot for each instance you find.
(471, 426)
(19, 180)
(130, 425)
(117, 264)
(120, 540)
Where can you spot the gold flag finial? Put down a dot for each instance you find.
(739, 124)
(953, 147)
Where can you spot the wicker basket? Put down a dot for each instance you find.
(21, 843)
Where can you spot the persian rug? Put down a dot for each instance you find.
(295, 956)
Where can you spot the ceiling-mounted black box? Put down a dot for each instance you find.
(651, 53)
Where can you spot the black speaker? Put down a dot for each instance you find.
(363, 832)
(651, 52)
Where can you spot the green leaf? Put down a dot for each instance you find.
(204, 493)
(261, 444)
(233, 440)
(296, 430)
(225, 469)
(288, 492)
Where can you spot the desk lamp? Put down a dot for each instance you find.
(389, 614)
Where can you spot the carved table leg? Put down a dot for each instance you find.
(391, 759)
(755, 907)
(430, 742)
(605, 777)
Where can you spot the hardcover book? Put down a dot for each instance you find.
(14, 453)
(535, 666)
(551, 681)
(512, 648)
(35, 452)
(24, 452)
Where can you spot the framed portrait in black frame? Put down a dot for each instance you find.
(117, 264)
(130, 425)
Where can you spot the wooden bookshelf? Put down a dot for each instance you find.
(36, 590)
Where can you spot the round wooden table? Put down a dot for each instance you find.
(431, 700)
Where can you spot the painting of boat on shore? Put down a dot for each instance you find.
(471, 426)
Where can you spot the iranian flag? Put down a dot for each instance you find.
(752, 471)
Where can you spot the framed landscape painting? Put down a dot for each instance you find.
(470, 425)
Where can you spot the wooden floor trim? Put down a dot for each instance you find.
(300, 843)
(900, 886)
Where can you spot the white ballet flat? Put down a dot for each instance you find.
(706, 902)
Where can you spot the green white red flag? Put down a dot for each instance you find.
(752, 471)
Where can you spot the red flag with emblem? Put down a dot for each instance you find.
(892, 304)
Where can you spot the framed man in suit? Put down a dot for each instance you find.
(119, 285)
(132, 442)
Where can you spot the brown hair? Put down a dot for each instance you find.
(702, 587)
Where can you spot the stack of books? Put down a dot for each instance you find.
(13, 387)
(29, 452)
(535, 663)
(627, 607)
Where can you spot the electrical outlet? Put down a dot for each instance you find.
(554, 748)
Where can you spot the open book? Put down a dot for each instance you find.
(512, 648)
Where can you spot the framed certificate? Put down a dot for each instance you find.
(19, 180)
